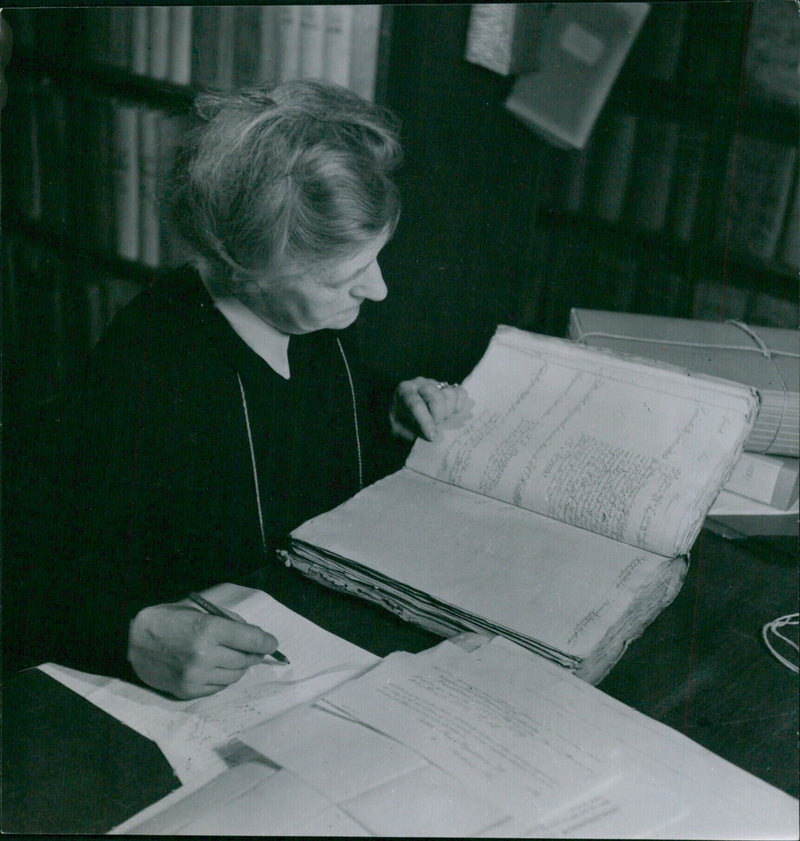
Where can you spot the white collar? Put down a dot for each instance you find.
(262, 338)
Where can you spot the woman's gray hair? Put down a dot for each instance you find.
(301, 171)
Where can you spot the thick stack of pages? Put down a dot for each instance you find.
(763, 357)
(557, 513)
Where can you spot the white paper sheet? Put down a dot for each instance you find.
(191, 733)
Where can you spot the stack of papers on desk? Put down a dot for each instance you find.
(488, 742)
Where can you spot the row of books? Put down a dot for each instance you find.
(649, 172)
(595, 272)
(54, 311)
(230, 46)
(93, 168)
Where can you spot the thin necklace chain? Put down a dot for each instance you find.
(254, 465)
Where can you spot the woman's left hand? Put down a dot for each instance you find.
(421, 404)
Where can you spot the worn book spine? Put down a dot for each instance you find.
(366, 44)
(312, 41)
(158, 66)
(205, 48)
(338, 44)
(126, 180)
(120, 36)
(657, 52)
(773, 53)
(689, 171)
(758, 182)
(611, 165)
(51, 123)
(180, 45)
(289, 41)
(652, 173)
(149, 214)
(22, 184)
(141, 45)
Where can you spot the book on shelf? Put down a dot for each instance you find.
(126, 179)
(765, 358)
(772, 56)
(158, 30)
(22, 182)
(140, 40)
(583, 48)
(120, 36)
(652, 172)
(504, 37)
(365, 41)
(256, 45)
(689, 170)
(212, 46)
(610, 163)
(149, 210)
(312, 41)
(288, 41)
(52, 106)
(755, 195)
(179, 70)
(570, 187)
(657, 52)
(93, 130)
(558, 515)
(338, 44)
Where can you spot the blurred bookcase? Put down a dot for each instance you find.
(98, 100)
(685, 200)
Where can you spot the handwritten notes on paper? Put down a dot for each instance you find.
(591, 439)
(493, 742)
(191, 733)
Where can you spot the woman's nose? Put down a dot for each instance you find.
(372, 285)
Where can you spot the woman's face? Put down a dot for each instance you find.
(326, 298)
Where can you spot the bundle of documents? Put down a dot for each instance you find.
(557, 513)
(472, 741)
(767, 358)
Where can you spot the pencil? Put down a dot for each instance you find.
(210, 607)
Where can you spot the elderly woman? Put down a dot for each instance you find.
(223, 407)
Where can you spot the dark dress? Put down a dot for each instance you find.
(149, 488)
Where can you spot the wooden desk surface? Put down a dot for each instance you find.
(701, 667)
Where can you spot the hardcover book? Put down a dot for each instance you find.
(558, 515)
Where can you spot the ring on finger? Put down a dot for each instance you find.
(443, 385)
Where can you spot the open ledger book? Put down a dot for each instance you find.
(558, 515)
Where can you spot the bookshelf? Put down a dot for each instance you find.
(498, 226)
(98, 100)
(688, 186)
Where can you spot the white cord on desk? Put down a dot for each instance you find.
(773, 628)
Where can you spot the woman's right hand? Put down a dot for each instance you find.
(177, 649)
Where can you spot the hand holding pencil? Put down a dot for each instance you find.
(189, 653)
